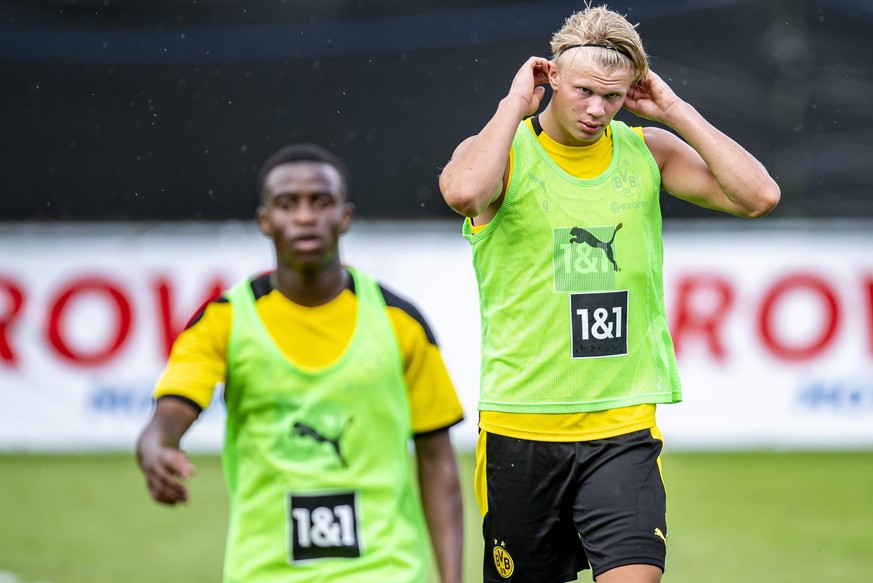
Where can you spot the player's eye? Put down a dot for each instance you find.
(284, 202)
(322, 201)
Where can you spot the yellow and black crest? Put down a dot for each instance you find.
(502, 560)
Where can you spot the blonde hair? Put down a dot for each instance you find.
(612, 40)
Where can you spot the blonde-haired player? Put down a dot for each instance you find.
(562, 212)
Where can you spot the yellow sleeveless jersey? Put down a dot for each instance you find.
(312, 337)
(582, 162)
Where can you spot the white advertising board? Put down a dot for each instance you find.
(773, 325)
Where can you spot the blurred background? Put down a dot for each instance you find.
(131, 135)
(162, 110)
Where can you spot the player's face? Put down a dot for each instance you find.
(585, 96)
(304, 211)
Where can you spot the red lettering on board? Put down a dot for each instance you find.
(777, 293)
(14, 306)
(692, 319)
(113, 297)
(868, 296)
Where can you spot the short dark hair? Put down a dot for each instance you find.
(303, 152)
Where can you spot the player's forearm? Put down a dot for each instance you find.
(168, 424)
(473, 178)
(445, 525)
(742, 178)
(152, 440)
(441, 498)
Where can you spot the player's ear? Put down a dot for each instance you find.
(348, 211)
(552, 73)
(263, 223)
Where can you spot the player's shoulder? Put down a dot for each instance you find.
(214, 306)
(405, 310)
(218, 305)
(261, 285)
(664, 145)
(655, 136)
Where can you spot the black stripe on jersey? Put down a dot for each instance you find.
(438, 429)
(196, 317)
(535, 122)
(185, 400)
(392, 300)
(261, 285)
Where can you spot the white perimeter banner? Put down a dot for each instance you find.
(773, 325)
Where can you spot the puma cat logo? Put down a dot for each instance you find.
(308, 431)
(660, 535)
(583, 237)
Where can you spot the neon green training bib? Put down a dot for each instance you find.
(571, 287)
(317, 461)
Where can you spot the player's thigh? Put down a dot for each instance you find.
(524, 490)
(620, 508)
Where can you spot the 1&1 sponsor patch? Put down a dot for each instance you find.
(598, 323)
(322, 526)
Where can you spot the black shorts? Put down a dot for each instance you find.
(554, 508)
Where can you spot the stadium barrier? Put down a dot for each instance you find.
(773, 324)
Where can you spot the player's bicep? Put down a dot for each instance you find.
(684, 173)
(467, 189)
(197, 361)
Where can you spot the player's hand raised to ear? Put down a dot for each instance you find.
(651, 98)
(528, 83)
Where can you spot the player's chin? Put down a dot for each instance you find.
(307, 262)
(586, 137)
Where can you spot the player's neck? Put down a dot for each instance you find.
(311, 288)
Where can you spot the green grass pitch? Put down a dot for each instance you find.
(750, 517)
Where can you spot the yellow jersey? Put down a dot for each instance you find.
(312, 337)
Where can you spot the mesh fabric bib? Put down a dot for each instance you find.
(570, 286)
(317, 461)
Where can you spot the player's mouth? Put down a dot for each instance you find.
(306, 243)
(589, 127)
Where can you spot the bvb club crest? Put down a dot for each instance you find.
(502, 560)
(625, 182)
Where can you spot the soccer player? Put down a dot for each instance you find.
(564, 222)
(327, 376)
